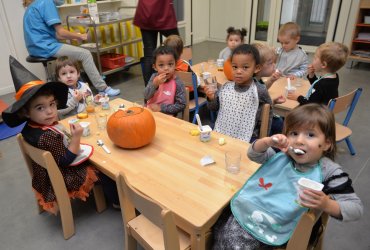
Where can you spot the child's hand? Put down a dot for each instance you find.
(159, 79)
(210, 92)
(292, 77)
(76, 130)
(277, 74)
(279, 141)
(77, 95)
(292, 96)
(314, 199)
(155, 107)
(279, 100)
(311, 71)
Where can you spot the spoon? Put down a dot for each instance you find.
(101, 143)
(199, 122)
(297, 151)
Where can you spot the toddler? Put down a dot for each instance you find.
(292, 60)
(36, 103)
(265, 212)
(234, 38)
(267, 68)
(239, 102)
(165, 92)
(79, 94)
(176, 43)
(329, 58)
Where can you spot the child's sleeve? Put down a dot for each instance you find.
(302, 69)
(180, 100)
(339, 187)
(150, 89)
(259, 157)
(214, 104)
(71, 105)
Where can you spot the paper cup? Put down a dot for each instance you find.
(304, 183)
(205, 133)
(291, 90)
(86, 128)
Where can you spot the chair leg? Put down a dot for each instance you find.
(350, 147)
(67, 219)
(100, 203)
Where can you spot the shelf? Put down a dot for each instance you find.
(90, 23)
(126, 66)
(363, 25)
(361, 41)
(359, 58)
(81, 4)
(105, 47)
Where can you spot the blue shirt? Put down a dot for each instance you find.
(39, 32)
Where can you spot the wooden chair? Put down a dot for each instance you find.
(187, 55)
(265, 115)
(345, 103)
(190, 80)
(46, 160)
(154, 228)
(185, 113)
(302, 233)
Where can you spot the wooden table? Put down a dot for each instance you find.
(220, 76)
(168, 170)
(278, 88)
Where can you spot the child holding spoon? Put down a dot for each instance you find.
(265, 212)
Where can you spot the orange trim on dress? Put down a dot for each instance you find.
(26, 86)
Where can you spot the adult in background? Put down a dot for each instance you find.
(153, 17)
(42, 28)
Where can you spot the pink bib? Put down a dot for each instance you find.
(165, 94)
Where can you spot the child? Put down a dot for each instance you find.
(79, 94)
(176, 43)
(239, 103)
(165, 92)
(267, 64)
(265, 211)
(292, 60)
(329, 58)
(36, 103)
(234, 38)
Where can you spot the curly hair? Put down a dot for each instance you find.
(239, 32)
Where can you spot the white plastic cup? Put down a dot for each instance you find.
(291, 90)
(86, 128)
(205, 133)
(232, 161)
(206, 75)
(304, 183)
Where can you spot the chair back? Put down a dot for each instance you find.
(345, 102)
(187, 55)
(300, 239)
(130, 198)
(265, 118)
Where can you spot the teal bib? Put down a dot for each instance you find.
(266, 206)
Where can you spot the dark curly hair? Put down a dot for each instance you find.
(239, 32)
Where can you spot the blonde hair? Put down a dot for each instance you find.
(176, 43)
(26, 3)
(266, 52)
(333, 54)
(291, 29)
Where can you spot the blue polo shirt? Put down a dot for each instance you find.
(39, 32)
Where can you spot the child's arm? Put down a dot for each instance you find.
(151, 88)
(76, 132)
(72, 103)
(302, 68)
(180, 100)
(213, 101)
(278, 141)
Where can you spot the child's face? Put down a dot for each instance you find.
(268, 68)
(43, 110)
(312, 141)
(69, 75)
(317, 63)
(287, 42)
(233, 41)
(244, 67)
(165, 64)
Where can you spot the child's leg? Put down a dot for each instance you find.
(110, 189)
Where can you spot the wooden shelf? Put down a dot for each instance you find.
(363, 25)
(81, 4)
(361, 41)
(359, 58)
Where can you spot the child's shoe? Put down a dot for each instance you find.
(111, 92)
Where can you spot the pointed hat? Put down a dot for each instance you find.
(26, 86)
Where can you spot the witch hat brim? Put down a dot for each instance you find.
(11, 115)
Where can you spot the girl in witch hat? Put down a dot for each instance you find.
(36, 104)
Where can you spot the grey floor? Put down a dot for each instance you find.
(21, 227)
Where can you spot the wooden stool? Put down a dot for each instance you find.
(44, 61)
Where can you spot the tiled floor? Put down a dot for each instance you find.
(22, 228)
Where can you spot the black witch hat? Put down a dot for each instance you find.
(26, 86)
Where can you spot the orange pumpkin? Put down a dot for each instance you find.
(228, 71)
(131, 128)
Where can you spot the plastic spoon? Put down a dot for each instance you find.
(295, 150)
(101, 143)
(289, 84)
(199, 122)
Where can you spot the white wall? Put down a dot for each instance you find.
(201, 12)
(12, 43)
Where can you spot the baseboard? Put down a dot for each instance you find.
(6, 90)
